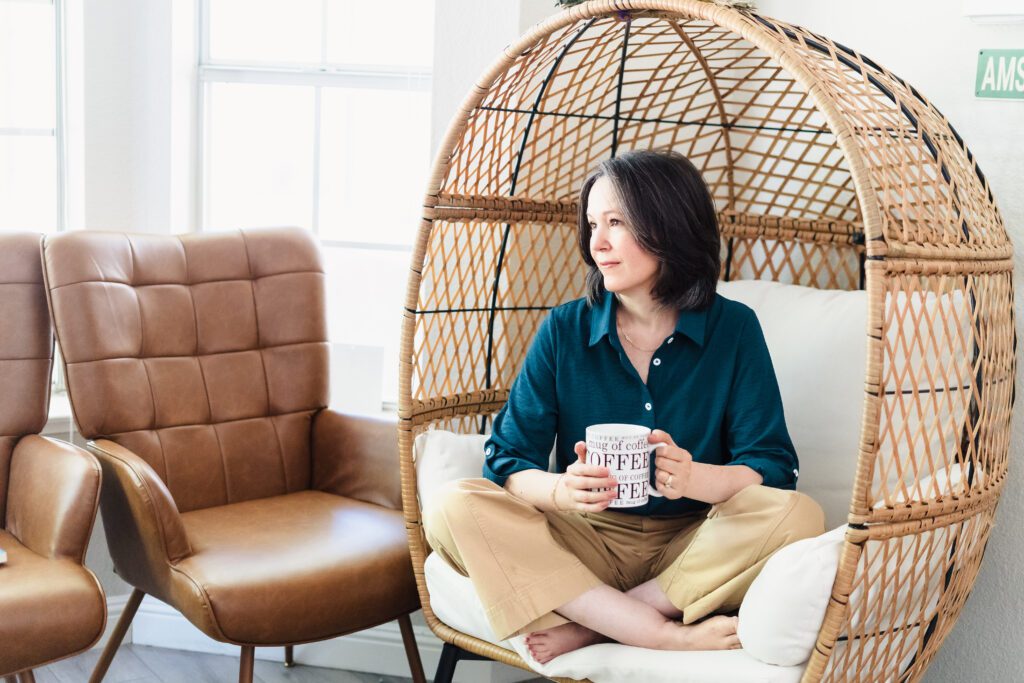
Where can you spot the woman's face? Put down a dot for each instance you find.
(626, 267)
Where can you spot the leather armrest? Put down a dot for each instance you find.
(54, 491)
(145, 534)
(357, 456)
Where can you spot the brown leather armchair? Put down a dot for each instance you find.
(50, 605)
(198, 366)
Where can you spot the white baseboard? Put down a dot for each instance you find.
(377, 650)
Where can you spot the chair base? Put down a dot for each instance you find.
(110, 649)
(451, 655)
(245, 667)
(412, 653)
(248, 654)
(23, 677)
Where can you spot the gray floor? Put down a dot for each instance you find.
(143, 664)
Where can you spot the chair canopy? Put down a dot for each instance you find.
(828, 171)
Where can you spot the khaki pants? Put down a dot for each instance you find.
(525, 563)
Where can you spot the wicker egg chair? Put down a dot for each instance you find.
(829, 172)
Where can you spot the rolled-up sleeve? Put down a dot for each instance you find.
(524, 429)
(755, 423)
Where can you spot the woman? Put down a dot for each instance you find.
(651, 344)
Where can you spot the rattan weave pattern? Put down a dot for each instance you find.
(828, 171)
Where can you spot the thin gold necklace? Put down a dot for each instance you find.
(633, 343)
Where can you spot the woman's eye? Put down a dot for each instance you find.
(614, 221)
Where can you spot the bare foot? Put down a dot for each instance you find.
(714, 633)
(548, 644)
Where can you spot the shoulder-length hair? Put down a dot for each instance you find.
(671, 214)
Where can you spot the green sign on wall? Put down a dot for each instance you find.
(1000, 74)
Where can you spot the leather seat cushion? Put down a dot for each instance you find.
(264, 571)
(49, 609)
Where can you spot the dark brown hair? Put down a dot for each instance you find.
(671, 214)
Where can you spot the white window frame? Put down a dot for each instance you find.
(58, 132)
(319, 76)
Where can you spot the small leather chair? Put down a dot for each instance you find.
(50, 605)
(198, 367)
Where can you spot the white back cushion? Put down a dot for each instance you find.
(785, 606)
(442, 457)
(818, 346)
(782, 612)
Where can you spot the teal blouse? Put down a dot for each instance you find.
(710, 385)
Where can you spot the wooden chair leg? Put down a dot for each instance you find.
(446, 667)
(100, 670)
(246, 665)
(289, 656)
(412, 653)
(27, 677)
(13, 678)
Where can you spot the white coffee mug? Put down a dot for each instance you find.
(626, 452)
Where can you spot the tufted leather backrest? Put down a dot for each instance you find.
(26, 348)
(204, 354)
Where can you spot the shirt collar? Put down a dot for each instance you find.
(602, 318)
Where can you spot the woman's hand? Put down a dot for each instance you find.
(574, 487)
(673, 465)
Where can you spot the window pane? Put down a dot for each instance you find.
(365, 295)
(266, 30)
(28, 183)
(28, 80)
(398, 33)
(260, 156)
(374, 159)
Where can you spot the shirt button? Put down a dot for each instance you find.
(656, 361)
(487, 451)
(669, 340)
(648, 406)
(796, 473)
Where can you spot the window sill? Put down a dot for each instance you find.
(61, 425)
(59, 422)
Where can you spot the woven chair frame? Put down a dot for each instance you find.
(828, 171)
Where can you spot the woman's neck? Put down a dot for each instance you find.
(644, 312)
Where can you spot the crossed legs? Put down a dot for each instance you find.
(554, 576)
(642, 616)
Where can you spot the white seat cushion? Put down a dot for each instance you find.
(454, 601)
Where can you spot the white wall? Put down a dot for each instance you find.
(469, 36)
(137, 66)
